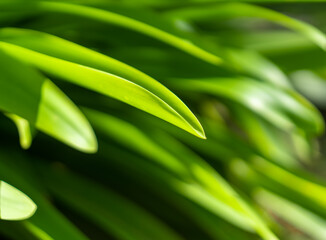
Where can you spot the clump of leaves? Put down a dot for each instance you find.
(236, 157)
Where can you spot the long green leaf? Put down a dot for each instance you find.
(236, 10)
(270, 142)
(207, 187)
(113, 213)
(287, 183)
(115, 19)
(93, 71)
(256, 65)
(291, 181)
(286, 109)
(301, 218)
(153, 178)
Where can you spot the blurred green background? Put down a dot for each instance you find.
(162, 120)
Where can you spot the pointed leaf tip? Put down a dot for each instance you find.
(15, 205)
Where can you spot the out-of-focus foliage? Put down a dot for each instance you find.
(162, 119)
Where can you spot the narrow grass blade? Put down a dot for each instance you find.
(286, 108)
(153, 178)
(205, 185)
(116, 19)
(121, 131)
(17, 169)
(236, 10)
(214, 184)
(258, 66)
(291, 180)
(17, 230)
(113, 213)
(301, 218)
(267, 42)
(270, 142)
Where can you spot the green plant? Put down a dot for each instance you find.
(243, 163)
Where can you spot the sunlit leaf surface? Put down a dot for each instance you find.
(15, 205)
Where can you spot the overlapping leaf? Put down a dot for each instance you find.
(94, 71)
(214, 192)
(31, 96)
(47, 221)
(113, 213)
(236, 10)
(260, 130)
(116, 19)
(14, 205)
(285, 108)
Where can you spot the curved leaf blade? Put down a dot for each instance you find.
(236, 10)
(286, 108)
(258, 66)
(116, 19)
(48, 221)
(296, 215)
(59, 117)
(31, 96)
(14, 205)
(197, 180)
(104, 207)
(167, 107)
(24, 130)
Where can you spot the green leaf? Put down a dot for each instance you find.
(315, 90)
(116, 19)
(236, 10)
(149, 178)
(24, 130)
(301, 218)
(138, 89)
(198, 181)
(268, 42)
(291, 180)
(219, 192)
(258, 66)
(113, 213)
(285, 109)
(17, 230)
(14, 205)
(31, 96)
(266, 138)
(19, 170)
(65, 122)
(120, 131)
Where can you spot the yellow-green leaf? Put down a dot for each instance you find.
(14, 205)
